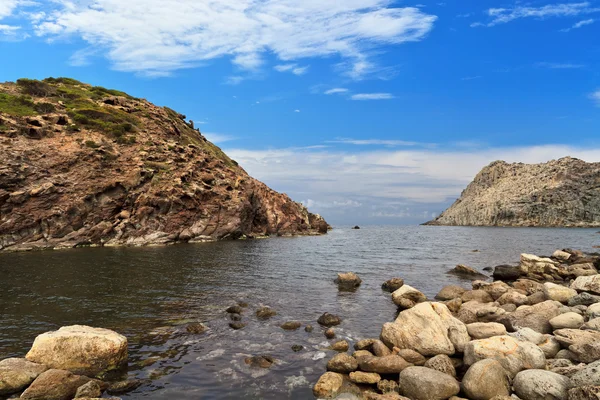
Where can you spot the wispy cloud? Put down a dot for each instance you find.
(372, 96)
(471, 78)
(377, 142)
(336, 91)
(505, 15)
(595, 96)
(579, 24)
(160, 36)
(552, 65)
(218, 137)
(293, 68)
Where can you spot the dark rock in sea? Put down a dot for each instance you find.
(329, 320)
(243, 304)
(291, 325)
(296, 348)
(392, 285)
(124, 386)
(260, 361)
(356, 227)
(265, 312)
(506, 273)
(488, 269)
(237, 325)
(330, 333)
(308, 328)
(348, 281)
(195, 328)
(467, 272)
(235, 317)
(234, 310)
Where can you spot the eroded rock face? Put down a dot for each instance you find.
(151, 180)
(80, 349)
(549, 194)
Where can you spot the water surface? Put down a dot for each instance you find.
(149, 294)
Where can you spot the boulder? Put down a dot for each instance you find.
(392, 285)
(486, 379)
(584, 344)
(348, 281)
(558, 292)
(484, 330)
(528, 286)
(450, 292)
(55, 384)
(342, 363)
(494, 289)
(340, 345)
(329, 320)
(428, 328)
(369, 378)
(531, 264)
(466, 272)
(479, 295)
(549, 346)
(407, 297)
(441, 363)
(537, 384)
(561, 255)
(411, 356)
(513, 355)
(589, 283)
(568, 320)
(592, 324)
(80, 349)
(392, 364)
(91, 389)
(585, 393)
(420, 383)
(584, 299)
(506, 273)
(588, 376)
(513, 297)
(18, 373)
(577, 270)
(380, 349)
(536, 317)
(474, 311)
(328, 386)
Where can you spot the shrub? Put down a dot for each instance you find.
(66, 81)
(44, 108)
(35, 88)
(91, 144)
(19, 106)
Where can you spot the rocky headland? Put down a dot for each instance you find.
(87, 166)
(559, 193)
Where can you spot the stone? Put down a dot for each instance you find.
(234, 309)
(237, 325)
(528, 286)
(593, 311)
(588, 376)
(585, 393)
(466, 272)
(474, 311)
(561, 255)
(506, 273)
(369, 378)
(80, 349)
(263, 361)
(340, 345)
(536, 298)
(441, 363)
(330, 333)
(54, 384)
(291, 325)
(513, 355)
(362, 353)
(450, 292)
(567, 320)
(297, 347)
(513, 297)
(411, 356)
(550, 346)
(584, 269)
(486, 379)
(380, 349)
(484, 330)
(584, 298)
(494, 289)
(329, 320)
(566, 355)
(428, 328)
(387, 386)
(308, 328)
(532, 264)
(536, 317)
(348, 281)
(18, 373)
(265, 312)
(479, 295)
(328, 385)
(195, 328)
(420, 383)
(537, 384)
(587, 284)
(235, 317)
(392, 285)
(91, 390)
(528, 335)
(407, 297)
(342, 363)
(584, 344)
(592, 324)
(364, 344)
(558, 292)
(392, 364)
(124, 386)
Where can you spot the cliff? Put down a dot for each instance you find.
(83, 165)
(559, 193)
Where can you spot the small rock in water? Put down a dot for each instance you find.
(234, 310)
(308, 328)
(329, 320)
(330, 333)
(341, 345)
(296, 348)
(260, 361)
(265, 312)
(466, 272)
(235, 317)
(392, 285)
(236, 325)
(125, 386)
(348, 281)
(358, 227)
(90, 390)
(195, 328)
(291, 325)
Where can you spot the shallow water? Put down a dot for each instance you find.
(149, 294)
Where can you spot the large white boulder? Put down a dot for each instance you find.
(80, 349)
(531, 264)
(589, 283)
(558, 292)
(535, 384)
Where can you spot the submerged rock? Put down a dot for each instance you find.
(80, 349)
(195, 328)
(265, 312)
(260, 361)
(466, 272)
(124, 386)
(329, 320)
(348, 281)
(291, 325)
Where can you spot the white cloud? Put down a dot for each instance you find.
(296, 111)
(559, 65)
(505, 15)
(385, 181)
(579, 24)
(218, 137)
(372, 96)
(160, 36)
(9, 29)
(377, 142)
(336, 91)
(596, 97)
(293, 68)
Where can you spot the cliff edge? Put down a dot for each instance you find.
(84, 165)
(559, 193)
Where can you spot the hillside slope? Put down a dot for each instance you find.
(559, 193)
(83, 165)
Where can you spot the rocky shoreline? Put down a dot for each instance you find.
(531, 334)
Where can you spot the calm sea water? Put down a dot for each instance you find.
(149, 294)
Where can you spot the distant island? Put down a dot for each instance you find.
(87, 166)
(559, 193)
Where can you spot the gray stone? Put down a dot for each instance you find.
(420, 383)
(484, 330)
(537, 384)
(567, 320)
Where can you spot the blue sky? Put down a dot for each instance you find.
(368, 111)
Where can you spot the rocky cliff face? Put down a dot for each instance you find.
(563, 192)
(83, 165)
